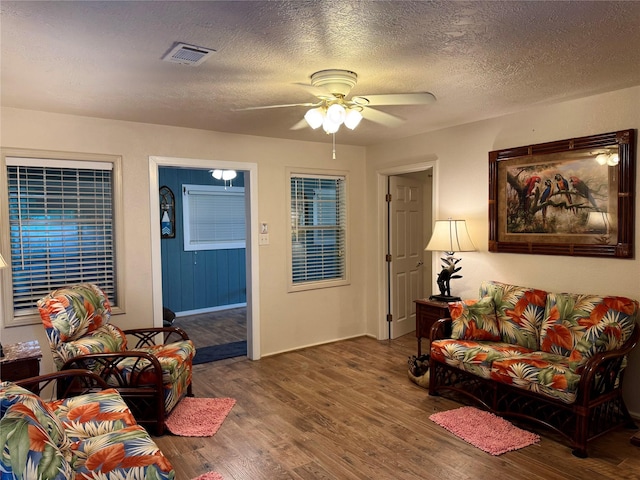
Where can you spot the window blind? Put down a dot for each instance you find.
(214, 217)
(61, 227)
(318, 223)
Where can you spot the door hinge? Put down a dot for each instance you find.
(387, 197)
(389, 317)
(388, 257)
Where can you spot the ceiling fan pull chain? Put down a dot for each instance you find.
(334, 145)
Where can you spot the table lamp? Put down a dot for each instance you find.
(449, 236)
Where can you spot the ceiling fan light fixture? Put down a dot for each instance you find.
(328, 126)
(314, 117)
(352, 119)
(336, 113)
(610, 159)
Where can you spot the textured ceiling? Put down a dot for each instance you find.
(480, 59)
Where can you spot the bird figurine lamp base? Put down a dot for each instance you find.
(444, 298)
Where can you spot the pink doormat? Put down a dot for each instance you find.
(209, 476)
(484, 430)
(199, 417)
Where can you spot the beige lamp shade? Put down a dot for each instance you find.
(2, 262)
(450, 236)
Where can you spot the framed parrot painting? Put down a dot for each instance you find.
(569, 197)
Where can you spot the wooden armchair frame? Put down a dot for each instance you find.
(145, 399)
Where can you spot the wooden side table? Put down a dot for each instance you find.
(21, 360)
(428, 312)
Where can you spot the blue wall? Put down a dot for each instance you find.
(199, 279)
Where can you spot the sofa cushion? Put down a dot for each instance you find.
(474, 320)
(28, 451)
(519, 310)
(579, 326)
(129, 453)
(474, 356)
(71, 312)
(93, 414)
(105, 339)
(545, 373)
(12, 394)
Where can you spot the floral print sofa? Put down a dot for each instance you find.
(90, 436)
(557, 359)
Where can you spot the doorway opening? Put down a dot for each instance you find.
(204, 259)
(249, 263)
(405, 226)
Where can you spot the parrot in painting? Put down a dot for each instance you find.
(546, 193)
(532, 190)
(583, 190)
(562, 185)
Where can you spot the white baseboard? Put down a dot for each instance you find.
(186, 313)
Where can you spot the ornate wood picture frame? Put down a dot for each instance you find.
(572, 197)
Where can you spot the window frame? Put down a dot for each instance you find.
(6, 280)
(324, 283)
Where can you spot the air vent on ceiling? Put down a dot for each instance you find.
(187, 54)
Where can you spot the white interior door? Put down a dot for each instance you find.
(406, 248)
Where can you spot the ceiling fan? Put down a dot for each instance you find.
(334, 109)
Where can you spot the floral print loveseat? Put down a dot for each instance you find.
(557, 359)
(90, 436)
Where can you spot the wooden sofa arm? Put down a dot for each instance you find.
(143, 367)
(440, 329)
(146, 336)
(68, 382)
(601, 373)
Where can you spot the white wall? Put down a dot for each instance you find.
(460, 183)
(462, 192)
(288, 320)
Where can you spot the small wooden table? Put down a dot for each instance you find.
(21, 360)
(428, 312)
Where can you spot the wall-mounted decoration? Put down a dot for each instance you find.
(167, 213)
(571, 197)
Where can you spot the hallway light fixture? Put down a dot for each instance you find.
(449, 236)
(225, 175)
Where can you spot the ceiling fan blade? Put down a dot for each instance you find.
(382, 118)
(316, 91)
(300, 125)
(279, 106)
(424, 98)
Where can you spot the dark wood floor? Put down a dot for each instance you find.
(347, 410)
(215, 328)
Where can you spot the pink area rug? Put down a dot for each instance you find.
(484, 430)
(209, 476)
(199, 417)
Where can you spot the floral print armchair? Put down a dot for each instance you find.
(90, 436)
(151, 378)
